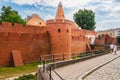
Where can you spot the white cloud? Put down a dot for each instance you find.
(54, 3)
(29, 2)
(108, 8)
(107, 24)
(111, 21)
(48, 17)
(29, 12)
(5, 0)
(75, 3)
(69, 16)
(115, 12)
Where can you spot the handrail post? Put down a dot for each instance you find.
(40, 60)
(63, 57)
(73, 55)
(95, 52)
(85, 53)
(79, 55)
(43, 66)
(53, 58)
(50, 73)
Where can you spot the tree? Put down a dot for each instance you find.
(118, 39)
(9, 15)
(85, 19)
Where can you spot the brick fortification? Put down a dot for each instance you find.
(29, 40)
(57, 37)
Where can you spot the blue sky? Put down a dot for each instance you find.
(107, 12)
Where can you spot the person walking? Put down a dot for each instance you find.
(111, 47)
(115, 49)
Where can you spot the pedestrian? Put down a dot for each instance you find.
(115, 49)
(111, 47)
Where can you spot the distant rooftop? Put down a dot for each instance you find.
(109, 29)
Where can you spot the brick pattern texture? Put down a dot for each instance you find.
(17, 58)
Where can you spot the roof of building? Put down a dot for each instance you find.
(33, 16)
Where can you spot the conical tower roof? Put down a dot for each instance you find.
(60, 12)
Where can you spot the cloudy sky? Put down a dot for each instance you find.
(107, 12)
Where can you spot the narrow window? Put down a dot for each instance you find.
(67, 30)
(12, 24)
(58, 30)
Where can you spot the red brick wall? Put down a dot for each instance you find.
(100, 42)
(78, 46)
(109, 39)
(60, 36)
(63, 42)
(31, 41)
(80, 41)
(105, 39)
(17, 58)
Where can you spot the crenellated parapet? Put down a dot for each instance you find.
(90, 32)
(80, 34)
(19, 28)
(105, 40)
(7, 36)
(54, 21)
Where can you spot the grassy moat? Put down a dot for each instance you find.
(6, 72)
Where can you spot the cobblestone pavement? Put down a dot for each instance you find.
(74, 71)
(110, 71)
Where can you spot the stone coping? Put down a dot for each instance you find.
(68, 62)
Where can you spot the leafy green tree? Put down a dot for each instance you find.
(85, 19)
(9, 15)
(118, 39)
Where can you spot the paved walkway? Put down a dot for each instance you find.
(110, 71)
(75, 71)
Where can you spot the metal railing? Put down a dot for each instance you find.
(45, 59)
(66, 56)
(50, 70)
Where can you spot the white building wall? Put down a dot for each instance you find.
(92, 38)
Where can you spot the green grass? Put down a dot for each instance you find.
(27, 77)
(6, 72)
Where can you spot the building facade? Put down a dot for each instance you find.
(112, 32)
(35, 20)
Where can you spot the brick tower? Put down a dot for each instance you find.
(60, 33)
(60, 12)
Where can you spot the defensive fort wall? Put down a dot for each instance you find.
(29, 40)
(33, 41)
(24, 44)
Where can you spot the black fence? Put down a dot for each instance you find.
(62, 57)
(66, 56)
